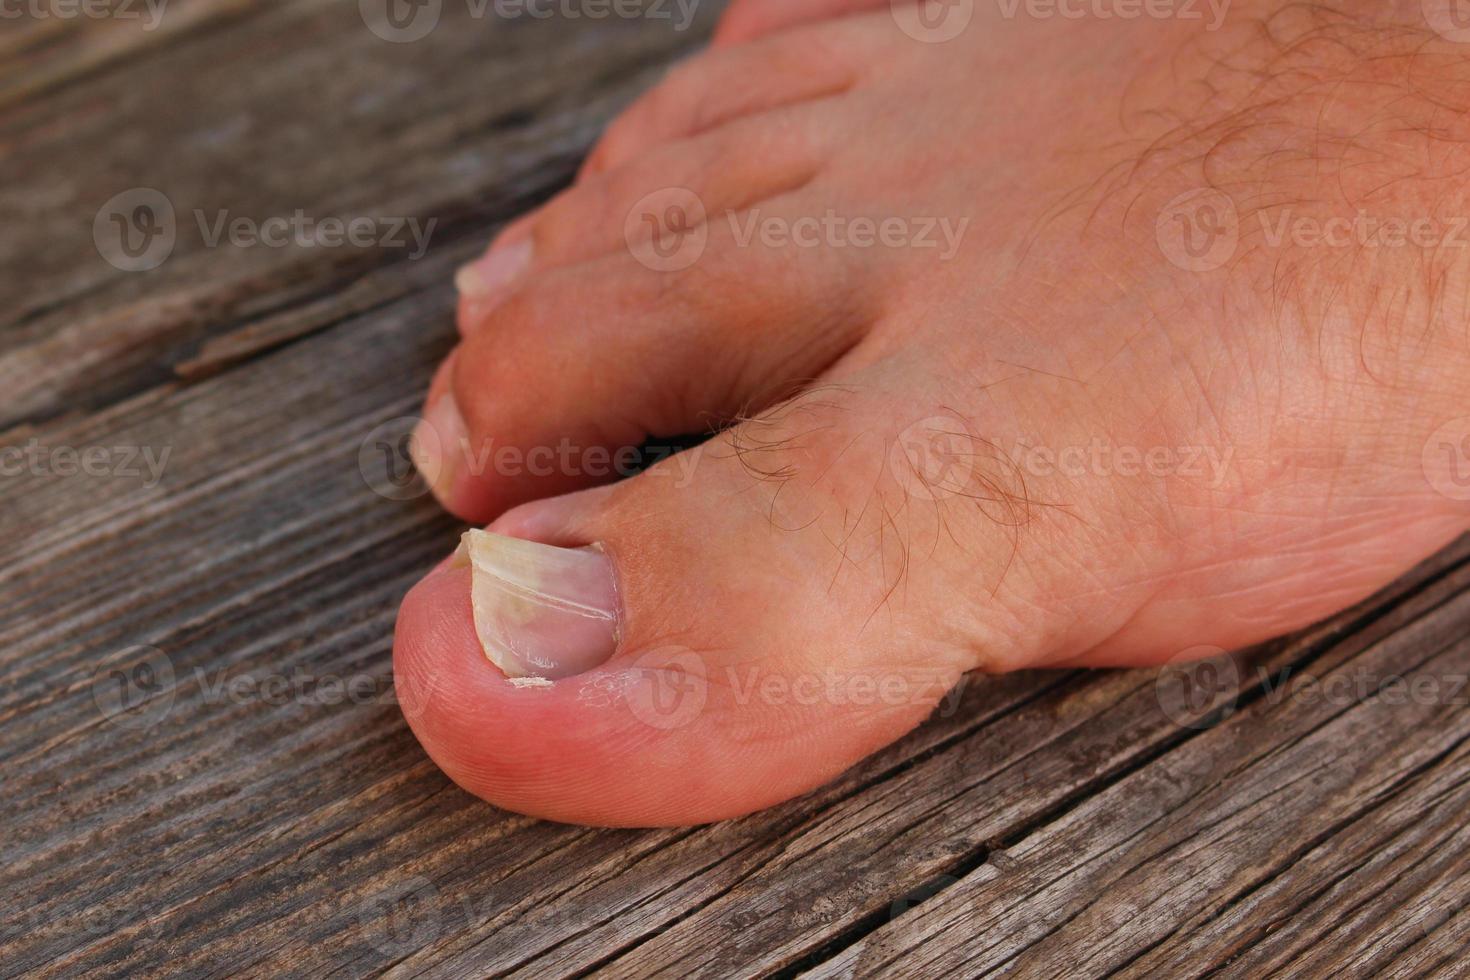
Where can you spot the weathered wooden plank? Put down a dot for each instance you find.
(1235, 849)
(48, 45)
(247, 559)
(459, 129)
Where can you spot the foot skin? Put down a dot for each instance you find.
(1088, 389)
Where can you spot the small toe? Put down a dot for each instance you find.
(584, 364)
(720, 86)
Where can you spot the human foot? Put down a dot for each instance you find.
(1166, 417)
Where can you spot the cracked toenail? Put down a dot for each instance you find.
(541, 611)
(494, 272)
(438, 442)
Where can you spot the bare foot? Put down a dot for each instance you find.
(1059, 342)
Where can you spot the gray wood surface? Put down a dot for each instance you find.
(249, 816)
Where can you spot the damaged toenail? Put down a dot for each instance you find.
(495, 272)
(439, 441)
(541, 611)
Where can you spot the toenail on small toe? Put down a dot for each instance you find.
(495, 272)
(437, 443)
(541, 611)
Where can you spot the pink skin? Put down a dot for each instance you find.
(575, 753)
(796, 551)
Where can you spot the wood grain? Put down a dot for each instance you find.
(1242, 848)
(261, 808)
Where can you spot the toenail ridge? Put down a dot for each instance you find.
(540, 611)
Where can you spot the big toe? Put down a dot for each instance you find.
(729, 640)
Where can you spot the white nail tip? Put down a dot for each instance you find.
(467, 281)
(497, 270)
(540, 611)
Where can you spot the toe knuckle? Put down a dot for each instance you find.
(565, 220)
